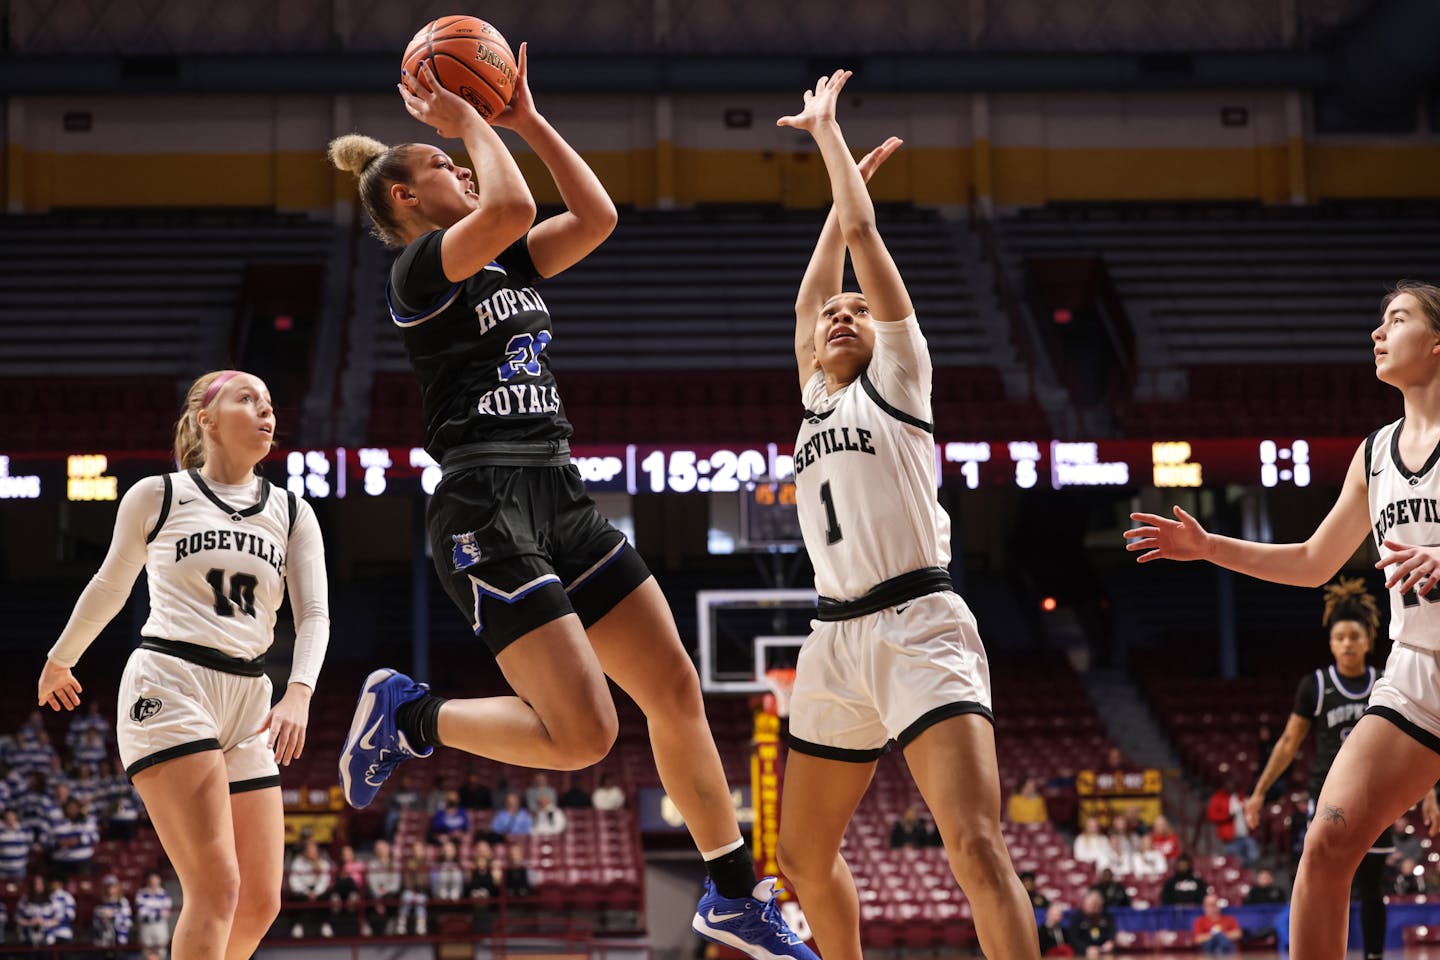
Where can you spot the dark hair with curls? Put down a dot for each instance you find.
(1347, 599)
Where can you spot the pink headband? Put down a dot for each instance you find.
(216, 384)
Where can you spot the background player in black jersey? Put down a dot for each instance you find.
(1330, 702)
(553, 590)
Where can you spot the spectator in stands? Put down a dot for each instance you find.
(93, 720)
(1092, 929)
(72, 841)
(1407, 843)
(539, 789)
(1138, 826)
(17, 843)
(513, 821)
(113, 918)
(403, 800)
(85, 787)
(1092, 846)
(1038, 900)
(311, 874)
(517, 874)
(1054, 941)
(575, 797)
(63, 930)
(608, 794)
(1164, 839)
(347, 893)
(382, 880)
(1219, 815)
(121, 816)
(415, 890)
(549, 820)
(35, 914)
(447, 877)
(451, 820)
(1026, 805)
(438, 795)
(911, 831)
(474, 794)
(1216, 933)
(1409, 879)
(1148, 861)
(1111, 890)
(153, 907)
(1264, 890)
(485, 882)
(1126, 840)
(1184, 887)
(90, 751)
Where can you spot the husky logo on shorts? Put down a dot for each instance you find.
(466, 552)
(144, 709)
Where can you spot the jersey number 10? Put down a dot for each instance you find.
(241, 593)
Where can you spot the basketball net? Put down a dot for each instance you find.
(782, 683)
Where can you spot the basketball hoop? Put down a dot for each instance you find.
(781, 681)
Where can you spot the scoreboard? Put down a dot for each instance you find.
(341, 472)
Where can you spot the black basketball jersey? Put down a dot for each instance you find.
(478, 347)
(1333, 704)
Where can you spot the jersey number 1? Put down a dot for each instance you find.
(832, 523)
(1413, 598)
(242, 592)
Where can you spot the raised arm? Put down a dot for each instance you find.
(826, 271)
(879, 277)
(105, 595)
(559, 242)
(506, 209)
(1308, 564)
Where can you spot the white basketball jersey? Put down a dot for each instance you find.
(865, 471)
(1405, 507)
(216, 564)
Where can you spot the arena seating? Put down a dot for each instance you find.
(1214, 292)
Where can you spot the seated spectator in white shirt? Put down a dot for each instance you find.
(607, 795)
(549, 820)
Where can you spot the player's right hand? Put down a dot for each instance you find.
(58, 687)
(871, 161)
(819, 103)
(1253, 805)
(435, 106)
(1180, 539)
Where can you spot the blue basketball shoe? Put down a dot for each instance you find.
(374, 747)
(752, 924)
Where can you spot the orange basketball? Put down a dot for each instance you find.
(470, 58)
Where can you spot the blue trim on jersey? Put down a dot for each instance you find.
(419, 318)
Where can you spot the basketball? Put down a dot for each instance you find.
(470, 58)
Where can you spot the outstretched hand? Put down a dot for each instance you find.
(58, 687)
(433, 105)
(1180, 539)
(819, 103)
(521, 108)
(871, 161)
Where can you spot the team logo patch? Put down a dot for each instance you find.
(466, 552)
(144, 708)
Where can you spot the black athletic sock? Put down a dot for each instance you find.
(733, 873)
(419, 720)
(1372, 927)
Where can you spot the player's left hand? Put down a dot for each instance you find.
(521, 108)
(285, 724)
(1430, 812)
(819, 103)
(1418, 568)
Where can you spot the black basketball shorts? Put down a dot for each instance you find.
(519, 546)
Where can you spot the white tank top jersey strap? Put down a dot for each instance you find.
(1405, 506)
(865, 470)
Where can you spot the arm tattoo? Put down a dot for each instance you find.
(1334, 814)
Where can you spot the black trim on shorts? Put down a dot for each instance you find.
(889, 593)
(206, 656)
(234, 514)
(895, 412)
(1417, 733)
(170, 753)
(957, 709)
(259, 783)
(164, 510)
(836, 753)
